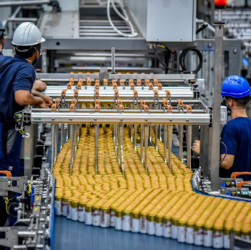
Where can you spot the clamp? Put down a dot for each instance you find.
(168, 96)
(69, 85)
(159, 86)
(142, 102)
(54, 107)
(189, 108)
(76, 95)
(97, 84)
(72, 108)
(156, 96)
(122, 82)
(121, 108)
(80, 84)
(116, 96)
(165, 102)
(114, 84)
(97, 102)
(180, 105)
(96, 108)
(63, 95)
(155, 82)
(242, 183)
(130, 82)
(7, 173)
(88, 81)
(119, 102)
(105, 82)
(145, 108)
(150, 86)
(147, 82)
(132, 85)
(74, 101)
(135, 97)
(139, 82)
(236, 174)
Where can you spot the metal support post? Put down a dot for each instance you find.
(56, 142)
(113, 60)
(52, 145)
(96, 147)
(160, 138)
(72, 145)
(29, 144)
(142, 142)
(204, 150)
(181, 134)
(156, 137)
(135, 137)
(189, 145)
(62, 135)
(165, 142)
(146, 145)
(214, 156)
(150, 133)
(68, 132)
(170, 141)
(121, 128)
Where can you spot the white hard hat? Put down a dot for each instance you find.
(27, 34)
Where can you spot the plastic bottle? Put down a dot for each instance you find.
(105, 216)
(112, 218)
(181, 231)
(198, 233)
(81, 211)
(96, 215)
(208, 235)
(126, 220)
(88, 214)
(150, 223)
(218, 236)
(159, 225)
(74, 209)
(143, 223)
(226, 238)
(135, 222)
(118, 219)
(174, 229)
(190, 233)
(167, 227)
(58, 203)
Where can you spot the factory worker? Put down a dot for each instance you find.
(2, 39)
(236, 134)
(17, 76)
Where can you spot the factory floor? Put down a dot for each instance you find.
(71, 235)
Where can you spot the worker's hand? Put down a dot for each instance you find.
(48, 100)
(196, 147)
(41, 105)
(39, 85)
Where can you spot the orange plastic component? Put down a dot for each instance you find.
(88, 83)
(122, 82)
(132, 86)
(97, 102)
(143, 73)
(57, 102)
(72, 73)
(105, 82)
(80, 80)
(121, 108)
(96, 109)
(242, 183)
(63, 93)
(69, 85)
(159, 86)
(88, 72)
(80, 72)
(168, 94)
(235, 174)
(53, 107)
(116, 93)
(169, 108)
(114, 85)
(96, 85)
(7, 173)
(147, 82)
(151, 73)
(96, 93)
(135, 94)
(128, 73)
(79, 85)
(97, 82)
(156, 93)
(138, 82)
(150, 86)
(142, 102)
(119, 102)
(146, 108)
(180, 103)
(189, 108)
(114, 82)
(155, 82)
(72, 80)
(131, 81)
(165, 102)
(220, 2)
(76, 93)
(119, 73)
(74, 101)
(72, 108)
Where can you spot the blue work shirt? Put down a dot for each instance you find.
(1, 54)
(15, 74)
(236, 135)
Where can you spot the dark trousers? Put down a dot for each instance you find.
(10, 148)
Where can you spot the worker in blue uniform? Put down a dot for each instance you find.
(17, 76)
(236, 134)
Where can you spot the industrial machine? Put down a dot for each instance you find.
(106, 64)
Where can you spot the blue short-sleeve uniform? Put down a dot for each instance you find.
(236, 135)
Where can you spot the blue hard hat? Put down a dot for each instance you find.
(236, 87)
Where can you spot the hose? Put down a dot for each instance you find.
(124, 18)
(183, 57)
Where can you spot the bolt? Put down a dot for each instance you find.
(70, 119)
(52, 119)
(210, 45)
(235, 51)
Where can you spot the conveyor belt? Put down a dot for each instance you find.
(70, 235)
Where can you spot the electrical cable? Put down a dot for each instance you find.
(124, 18)
(202, 27)
(155, 52)
(225, 152)
(183, 57)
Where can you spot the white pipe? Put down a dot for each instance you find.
(111, 23)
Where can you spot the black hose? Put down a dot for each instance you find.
(202, 27)
(183, 57)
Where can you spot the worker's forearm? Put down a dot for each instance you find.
(37, 93)
(30, 100)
